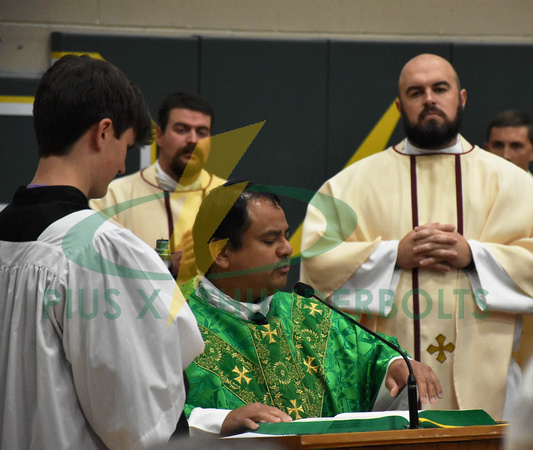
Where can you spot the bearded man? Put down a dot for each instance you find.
(441, 251)
(158, 194)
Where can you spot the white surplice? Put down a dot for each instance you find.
(86, 357)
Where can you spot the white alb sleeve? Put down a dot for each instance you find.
(206, 420)
(493, 288)
(371, 288)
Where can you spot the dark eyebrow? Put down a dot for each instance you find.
(275, 232)
(182, 124)
(271, 233)
(434, 85)
(441, 83)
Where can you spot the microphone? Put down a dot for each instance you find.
(305, 290)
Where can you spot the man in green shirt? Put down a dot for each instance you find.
(270, 355)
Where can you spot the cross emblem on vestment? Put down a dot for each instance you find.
(309, 366)
(313, 309)
(295, 409)
(241, 375)
(270, 334)
(441, 348)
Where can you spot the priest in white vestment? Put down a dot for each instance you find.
(164, 198)
(432, 241)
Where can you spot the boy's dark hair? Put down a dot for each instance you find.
(221, 202)
(77, 92)
(185, 100)
(512, 118)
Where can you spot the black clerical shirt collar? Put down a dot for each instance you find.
(35, 209)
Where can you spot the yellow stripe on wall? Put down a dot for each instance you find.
(375, 142)
(16, 99)
(378, 138)
(16, 105)
(94, 55)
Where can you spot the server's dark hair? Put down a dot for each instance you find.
(77, 92)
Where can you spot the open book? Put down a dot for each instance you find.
(377, 421)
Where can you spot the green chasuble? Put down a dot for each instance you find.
(308, 360)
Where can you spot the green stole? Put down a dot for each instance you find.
(307, 360)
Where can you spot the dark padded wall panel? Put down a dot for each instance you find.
(496, 78)
(18, 86)
(363, 82)
(284, 83)
(18, 152)
(319, 98)
(157, 65)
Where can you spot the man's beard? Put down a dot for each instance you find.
(432, 136)
(193, 167)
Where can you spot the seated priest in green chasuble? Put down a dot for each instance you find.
(272, 356)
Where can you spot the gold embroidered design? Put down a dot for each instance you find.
(270, 334)
(295, 410)
(219, 357)
(282, 372)
(241, 375)
(309, 365)
(279, 369)
(311, 337)
(213, 354)
(290, 369)
(441, 348)
(313, 309)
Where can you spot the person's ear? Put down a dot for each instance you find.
(462, 96)
(158, 135)
(219, 253)
(104, 131)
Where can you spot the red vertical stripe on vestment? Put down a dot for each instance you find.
(459, 194)
(416, 297)
(169, 220)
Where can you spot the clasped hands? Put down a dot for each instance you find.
(434, 246)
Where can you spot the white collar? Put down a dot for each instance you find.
(168, 183)
(410, 149)
(244, 310)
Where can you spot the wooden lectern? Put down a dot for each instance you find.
(474, 437)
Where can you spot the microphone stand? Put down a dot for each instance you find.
(305, 290)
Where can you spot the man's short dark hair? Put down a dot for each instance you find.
(512, 118)
(220, 202)
(77, 92)
(185, 100)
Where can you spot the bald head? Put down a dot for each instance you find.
(425, 65)
(430, 101)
